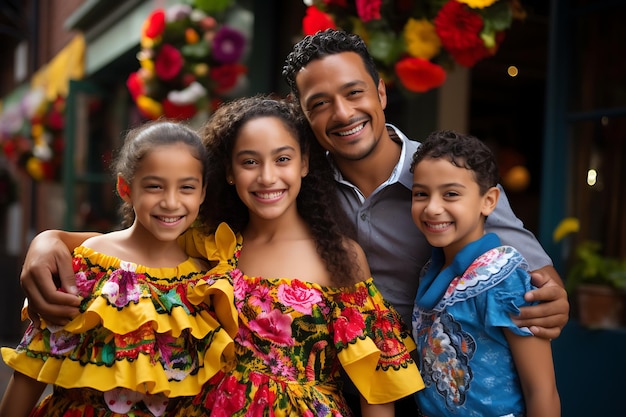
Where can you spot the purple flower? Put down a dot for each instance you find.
(228, 45)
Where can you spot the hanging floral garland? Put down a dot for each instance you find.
(191, 58)
(31, 135)
(416, 41)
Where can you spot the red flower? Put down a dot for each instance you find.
(349, 326)
(419, 75)
(470, 56)
(458, 27)
(134, 83)
(168, 63)
(226, 76)
(316, 20)
(154, 24)
(341, 3)
(368, 9)
(179, 112)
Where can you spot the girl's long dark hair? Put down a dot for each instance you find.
(317, 202)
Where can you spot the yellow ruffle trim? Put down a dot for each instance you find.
(140, 375)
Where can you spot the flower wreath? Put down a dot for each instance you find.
(190, 58)
(416, 40)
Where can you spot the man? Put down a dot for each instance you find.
(337, 84)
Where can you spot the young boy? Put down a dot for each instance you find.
(474, 360)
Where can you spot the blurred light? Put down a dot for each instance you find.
(604, 121)
(512, 71)
(516, 179)
(592, 177)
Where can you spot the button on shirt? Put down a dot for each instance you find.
(396, 250)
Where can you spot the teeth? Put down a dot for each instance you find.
(169, 219)
(438, 225)
(267, 196)
(352, 131)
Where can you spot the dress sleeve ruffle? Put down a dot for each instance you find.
(374, 345)
(218, 247)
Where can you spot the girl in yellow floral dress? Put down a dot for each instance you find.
(153, 327)
(307, 305)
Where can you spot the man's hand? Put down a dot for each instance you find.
(47, 277)
(547, 318)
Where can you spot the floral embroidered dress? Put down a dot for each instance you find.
(144, 337)
(294, 337)
(458, 319)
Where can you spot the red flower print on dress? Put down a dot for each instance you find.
(348, 326)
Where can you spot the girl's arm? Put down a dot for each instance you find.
(375, 410)
(21, 395)
(533, 360)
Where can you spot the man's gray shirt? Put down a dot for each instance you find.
(395, 248)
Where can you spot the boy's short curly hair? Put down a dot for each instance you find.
(464, 151)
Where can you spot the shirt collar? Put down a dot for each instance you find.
(399, 174)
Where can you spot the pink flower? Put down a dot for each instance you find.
(298, 296)
(274, 326)
(231, 397)
(368, 9)
(168, 62)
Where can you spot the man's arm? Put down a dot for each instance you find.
(547, 318)
(47, 277)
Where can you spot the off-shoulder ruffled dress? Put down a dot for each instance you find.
(145, 338)
(293, 339)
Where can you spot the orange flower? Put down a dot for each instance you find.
(419, 75)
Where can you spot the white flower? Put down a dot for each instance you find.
(177, 12)
(189, 95)
(111, 291)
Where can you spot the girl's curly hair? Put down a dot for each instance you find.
(317, 203)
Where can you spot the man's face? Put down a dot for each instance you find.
(343, 105)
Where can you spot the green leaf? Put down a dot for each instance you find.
(212, 6)
(498, 16)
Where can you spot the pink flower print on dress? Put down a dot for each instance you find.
(122, 287)
(299, 296)
(274, 326)
(62, 342)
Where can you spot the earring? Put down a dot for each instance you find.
(231, 182)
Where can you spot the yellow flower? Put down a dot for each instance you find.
(421, 39)
(478, 4)
(150, 107)
(201, 70)
(565, 227)
(34, 168)
(36, 130)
